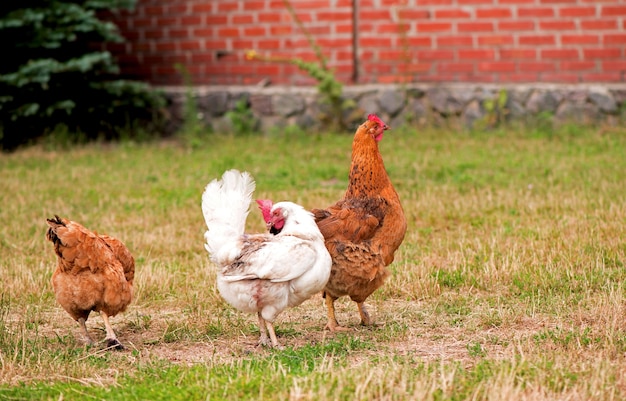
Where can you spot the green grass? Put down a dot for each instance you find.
(509, 284)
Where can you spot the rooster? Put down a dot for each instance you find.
(94, 273)
(363, 230)
(262, 273)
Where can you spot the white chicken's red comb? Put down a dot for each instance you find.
(266, 207)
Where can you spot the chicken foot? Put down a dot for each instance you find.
(111, 338)
(264, 328)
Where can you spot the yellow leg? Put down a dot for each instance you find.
(270, 328)
(366, 320)
(332, 324)
(83, 325)
(111, 338)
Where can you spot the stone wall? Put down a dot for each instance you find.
(470, 106)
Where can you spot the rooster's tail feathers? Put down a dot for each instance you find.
(225, 206)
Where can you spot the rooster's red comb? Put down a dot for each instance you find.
(376, 119)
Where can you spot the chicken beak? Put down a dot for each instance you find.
(386, 127)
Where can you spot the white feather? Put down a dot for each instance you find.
(225, 206)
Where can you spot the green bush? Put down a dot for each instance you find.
(55, 72)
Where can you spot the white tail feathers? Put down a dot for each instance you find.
(225, 206)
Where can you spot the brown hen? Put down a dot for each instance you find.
(94, 273)
(363, 230)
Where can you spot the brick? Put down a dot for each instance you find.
(513, 2)
(434, 2)
(577, 12)
(559, 53)
(334, 15)
(228, 32)
(153, 34)
(415, 67)
(517, 26)
(143, 22)
(615, 39)
(268, 44)
(253, 5)
(242, 19)
(537, 12)
(603, 53)
(419, 41)
(154, 11)
(374, 15)
(475, 26)
(215, 44)
(270, 18)
(557, 25)
(598, 24)
(280, 30)
(476, 54)
(455, 67)
(474, 2)
(257, 30)
(614, 65)
(602, 77)
(609, 11)
(412, 14)
(165, 21)
(577, 65)
(537, 40)
(175, 9)
(452, 13)
(391, 54)
(558, 1)
(188, 20)
(496, 66)
(227, 6)
(495, 40)
(339, 29)
(579, 39)
(390, 28)
(493, 13)
(209, 19)
(430, 55)
(434, 27)
(455, 40)
(374, 42)
(537, 66)
(243, 44)
(325, 43)
(189, 44)
(518, 54)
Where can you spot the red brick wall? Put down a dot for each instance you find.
(565, 41)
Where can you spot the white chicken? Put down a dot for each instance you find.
(262, 273)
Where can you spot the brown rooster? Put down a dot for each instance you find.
(94, 273)
(363, 230)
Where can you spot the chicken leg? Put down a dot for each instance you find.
(332, 324)
(366, 320)
(264, 328)
(82, 321)
(111, 339)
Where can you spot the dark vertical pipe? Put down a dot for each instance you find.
(355, 41)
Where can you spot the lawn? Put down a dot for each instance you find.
(509, 283)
